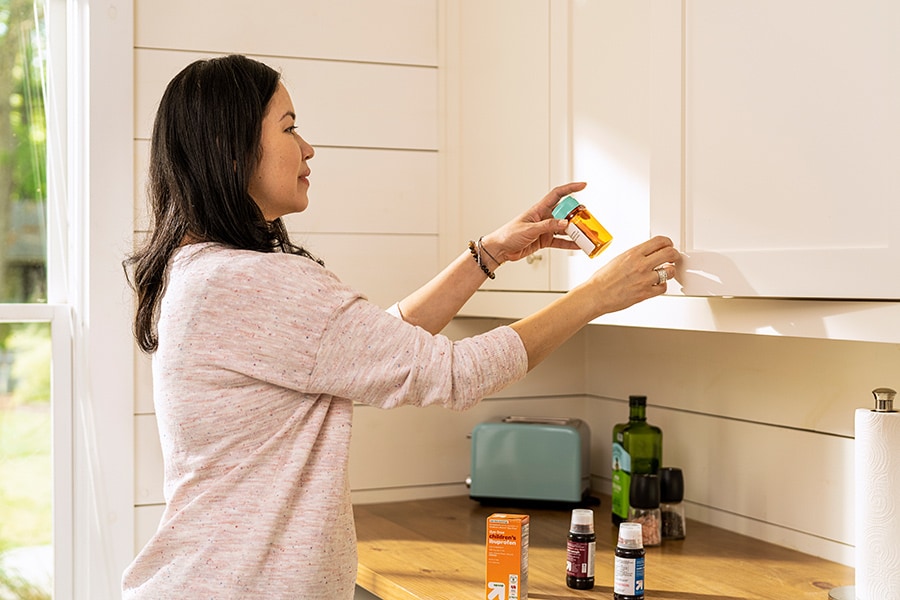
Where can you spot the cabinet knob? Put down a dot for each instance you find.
(533, 257)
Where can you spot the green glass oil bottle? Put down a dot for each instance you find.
(636, 448)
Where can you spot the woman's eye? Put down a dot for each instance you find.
(291, 129)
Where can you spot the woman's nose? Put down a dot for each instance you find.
(305, 149)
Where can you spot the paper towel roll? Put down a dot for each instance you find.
(877, 458)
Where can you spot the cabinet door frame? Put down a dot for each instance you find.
(814, 264)
(496, 135)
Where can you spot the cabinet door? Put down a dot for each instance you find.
(775, 145)
(497, 139)
(608, 61)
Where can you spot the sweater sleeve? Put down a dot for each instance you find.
(307, 331)
(395, 363)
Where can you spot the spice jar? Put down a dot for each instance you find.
(643, 498)
(671, 495)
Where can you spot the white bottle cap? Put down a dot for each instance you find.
(582, 520)
(582, 516)
(631, 536)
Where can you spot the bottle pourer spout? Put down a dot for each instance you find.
(884, 399)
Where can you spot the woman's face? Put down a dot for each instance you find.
(280, 183)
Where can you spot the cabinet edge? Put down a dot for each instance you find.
(863, 321)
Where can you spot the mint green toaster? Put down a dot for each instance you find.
(533, 459)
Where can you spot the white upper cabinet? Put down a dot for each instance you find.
(775, 161)
(607, 116)
(761, 135)
(497, 142)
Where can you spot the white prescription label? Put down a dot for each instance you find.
(579, 238)
(629, 576)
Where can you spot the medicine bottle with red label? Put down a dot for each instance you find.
(580, 548)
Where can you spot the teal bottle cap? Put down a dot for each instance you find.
(565, 206)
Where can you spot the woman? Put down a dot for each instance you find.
(259, 352)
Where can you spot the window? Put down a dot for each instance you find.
(28, 419)
(78, 295)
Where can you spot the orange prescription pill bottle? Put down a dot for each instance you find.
(584, 229)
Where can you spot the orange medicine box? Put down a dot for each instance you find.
(506, 557)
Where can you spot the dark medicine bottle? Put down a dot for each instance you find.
(580, 548)
(628, 582)
(637, 448)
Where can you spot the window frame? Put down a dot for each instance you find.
(58, 316)
(90, 182)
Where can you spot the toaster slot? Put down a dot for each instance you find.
(538, 420)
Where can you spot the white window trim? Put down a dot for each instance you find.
(94, 238)
(91, 185)
(58, 316)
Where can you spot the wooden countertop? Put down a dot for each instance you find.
(434, 549)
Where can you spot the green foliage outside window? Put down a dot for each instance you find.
(23, 152)
(25, 416)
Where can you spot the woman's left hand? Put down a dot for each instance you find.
(532, 230)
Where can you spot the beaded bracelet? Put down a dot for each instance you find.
(475, 249)
(481, 248)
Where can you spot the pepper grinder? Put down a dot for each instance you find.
(671, 495)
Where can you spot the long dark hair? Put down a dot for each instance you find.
(204, 148)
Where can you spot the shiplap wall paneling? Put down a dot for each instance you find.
(791, 382)
(410, 452)
(388, 31)
(785, 486)
(337, 103)
(353, 190)
(372, 222)
(143, 384)
(146, 520)
(149, 464)
(385, 268)
(761, 424)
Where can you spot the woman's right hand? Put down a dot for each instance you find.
(627, 279)
(632, 276)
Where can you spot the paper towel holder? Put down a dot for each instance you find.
(884, 399)
(884, 402)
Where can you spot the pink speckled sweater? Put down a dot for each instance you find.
(260, 359)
